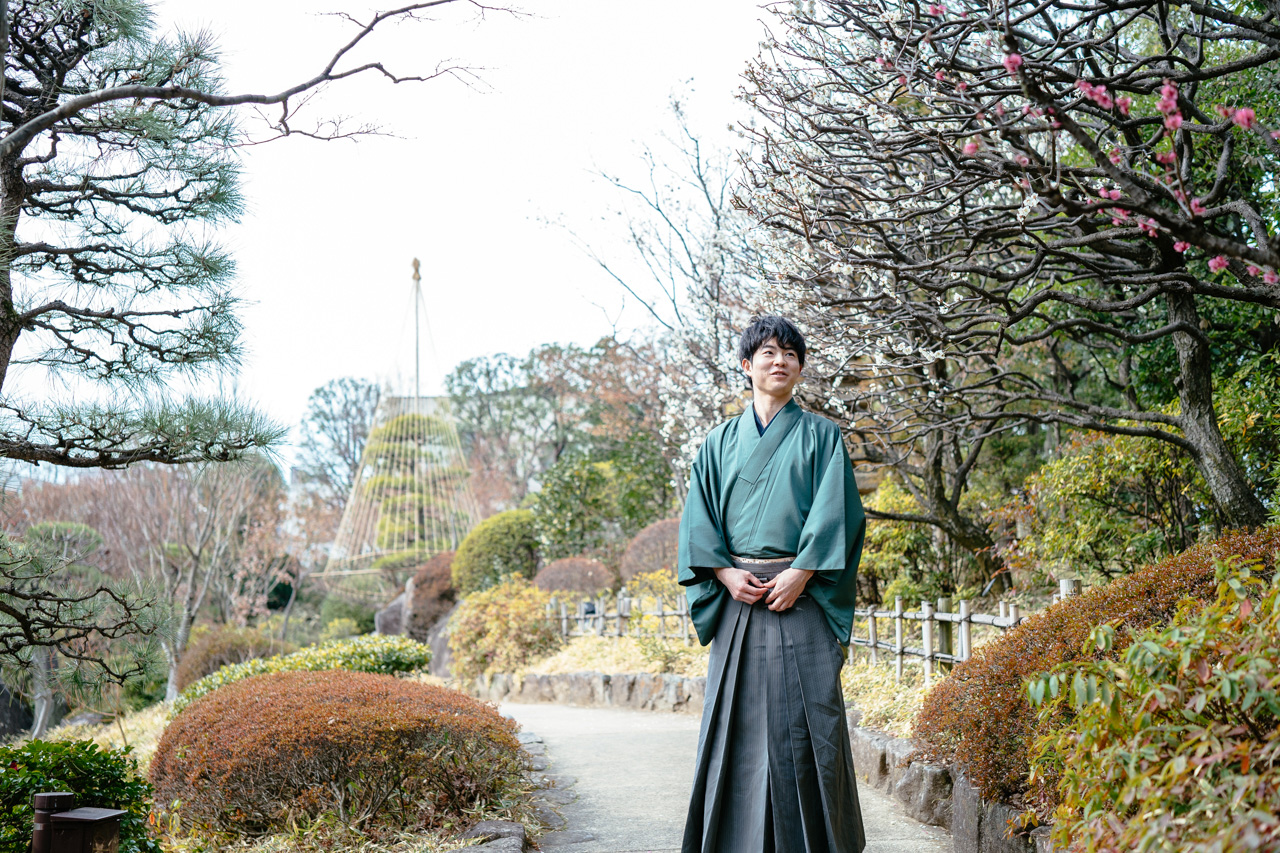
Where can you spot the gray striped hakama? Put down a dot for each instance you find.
(775, 771)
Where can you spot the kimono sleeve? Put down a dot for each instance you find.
(702, 546)
(831, 538)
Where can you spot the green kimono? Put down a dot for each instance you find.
(774, 769)
(790, 491)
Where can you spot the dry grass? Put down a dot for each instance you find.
(141, 730)
(885, 706)
(618, 655)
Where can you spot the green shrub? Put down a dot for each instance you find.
(368, 653)
(1175, 748)
(501, 546)
(339, 629)
(501, 629)
(100, 778)
(226, 644)
(335, 606)
(980, 715)
(369, 750)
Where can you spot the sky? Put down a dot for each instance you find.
(481, 182)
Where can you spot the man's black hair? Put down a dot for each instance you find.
(764, 328)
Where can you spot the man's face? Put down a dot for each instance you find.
(773, 369)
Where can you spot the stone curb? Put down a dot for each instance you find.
(639, 691)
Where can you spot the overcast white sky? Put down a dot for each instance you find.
(466, 184)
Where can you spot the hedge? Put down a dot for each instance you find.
(501, 629)
(368, 653)
(370, 750)
(501, 546)
(981, 717)
(223, 645)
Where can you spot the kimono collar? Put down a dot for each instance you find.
(768, 443)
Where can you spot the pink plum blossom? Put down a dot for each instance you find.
(1197, 207)
(1270, 277)
(1181, 245)
(1148, 226)
(971, 147)
(939, 76)
(1244, 117)
(1115, 194)
(937, 10)
(1012, 62)
(1253, 270)
(961, 86)
(1218, 263)
(1123, 103)
(1167, 157)
(1168, 102)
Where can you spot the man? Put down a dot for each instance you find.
(769, 546)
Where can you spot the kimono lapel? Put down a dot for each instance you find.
(766, 444)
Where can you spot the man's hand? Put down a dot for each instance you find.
(786, 587)
(742, 585)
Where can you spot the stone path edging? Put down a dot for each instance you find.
(929, 793)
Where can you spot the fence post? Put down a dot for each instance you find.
(1004, 610)
(944, 635)
(682, 610)
(564, 620)
(602, 608)
(1015, 616)
(1068, 587)
(624, 611)
(926, 610)
(966, 637)
(874, 636)
(897, 644)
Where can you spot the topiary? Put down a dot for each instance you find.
(368, 653)
(980, 716)
(100, 778)
(368, 749)
(501, 546)
(226, 644)
(653, 549)
(433, 595)
(574, 574)
(1173, 747)
(501, 629)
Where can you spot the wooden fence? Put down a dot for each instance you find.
(945, 637)
(614, 616)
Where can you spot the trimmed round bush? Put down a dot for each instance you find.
(981, 717)
(226, 644)
(368, 653)
(652, 550)
(100, 778)
(433, 595)
(369, 749)
(501, 546)
(574, 574)
(501, 629)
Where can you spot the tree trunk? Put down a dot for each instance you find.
(171, 657)
(49, 706)
(1232, 492)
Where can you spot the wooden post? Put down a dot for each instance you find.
(682, 610)
(1015, 615)
(602, 607)
(873, 634)
(564, 620)
(624, 611)
(926, 610)
(897, 640)
(1068, 587)
(1004, 610)
(966, 635)
(944, 634)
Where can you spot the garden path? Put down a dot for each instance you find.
(634, 770)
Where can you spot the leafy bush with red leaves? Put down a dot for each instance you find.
(574, 574)
(433, 595)
(373, 750)
(652, 550)
(980, 716)
(501, 629)
(223, 645)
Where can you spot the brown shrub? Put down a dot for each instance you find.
(652, 550)
(226, 644)
(980, 716)
(433, 595)
(369, 749)
(574, 574)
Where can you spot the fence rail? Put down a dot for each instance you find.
(945, 637)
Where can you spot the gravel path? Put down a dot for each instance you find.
(633, 771)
